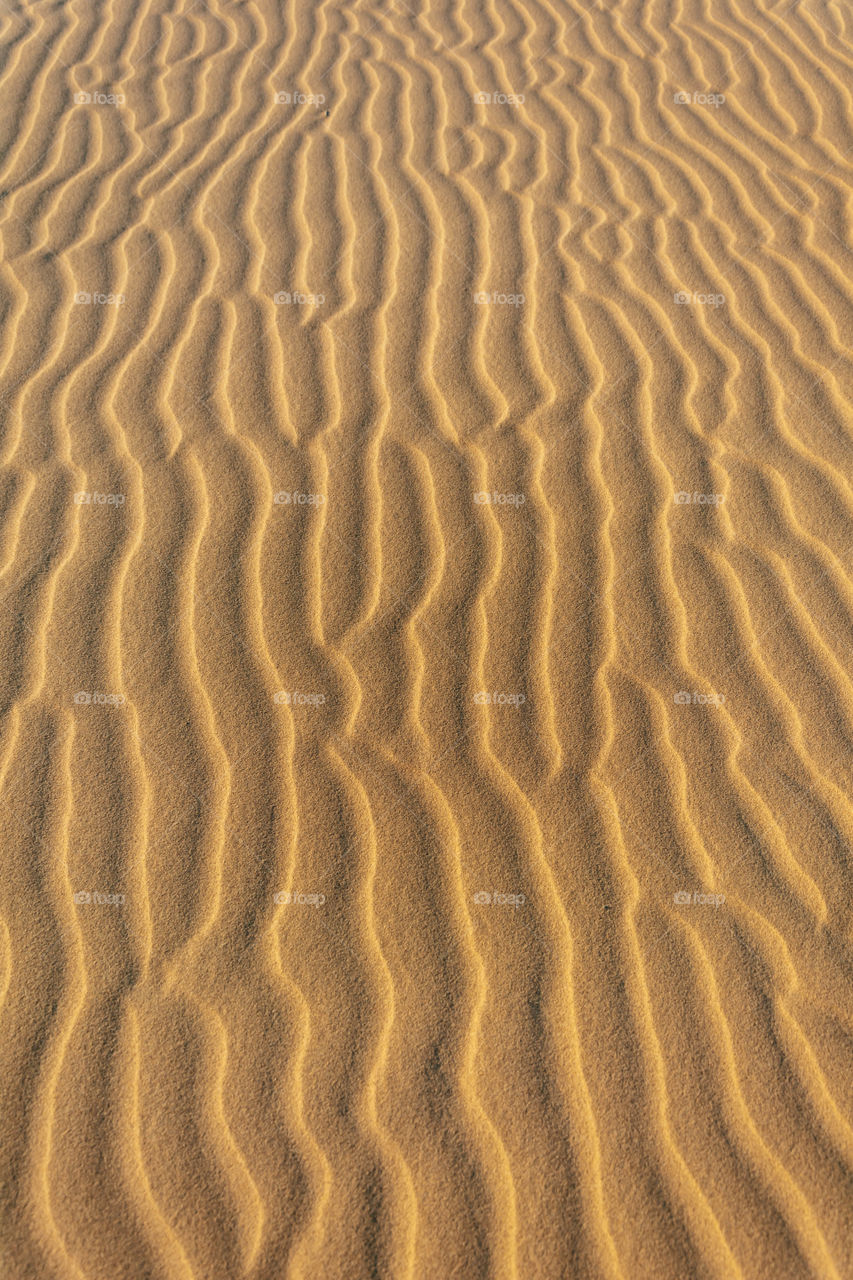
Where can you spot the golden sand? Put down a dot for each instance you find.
(426, 517)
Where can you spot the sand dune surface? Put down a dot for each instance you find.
(426, 699)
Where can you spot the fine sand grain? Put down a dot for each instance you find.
(426, 698)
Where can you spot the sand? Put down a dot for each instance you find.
(426, 537)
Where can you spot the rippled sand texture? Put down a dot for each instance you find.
(426, 722)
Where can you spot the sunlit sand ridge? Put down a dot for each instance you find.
(426, 538)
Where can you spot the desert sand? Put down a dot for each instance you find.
(426, 537)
